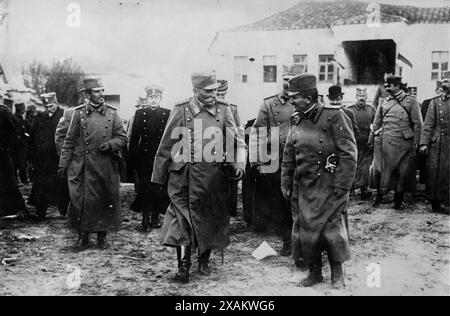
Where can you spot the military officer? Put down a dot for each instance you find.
(46, 184)
(335, 97)
(272, 124)
(319, 166)
(435, 143)
(22, 141)
(197, 147)
(232, 185)
(395, 136)
(89, 156)
(364, 114)
(147, 129)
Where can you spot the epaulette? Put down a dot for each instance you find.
(234, 106)
(223, 103)
(332, 107)
(182, 102)
(111, 107)
(79, 107)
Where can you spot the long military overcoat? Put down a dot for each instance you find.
(270, 209)
(364, 115)
(93, 175)
(317, 210)
(397, 127)
(146, 133)
(435, 134)
(198, 214)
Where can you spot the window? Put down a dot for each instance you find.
(300, 64)
(270, 68)
(241, 69)
(326, 68)
(439, 64)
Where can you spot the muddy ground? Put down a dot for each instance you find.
(409, 249)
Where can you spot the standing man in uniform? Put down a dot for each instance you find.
(89, 157)
(22, 142)
(46, 184)
(335, 96)
(364, 114)
(269, 205)
(196, 150)
(232, 184)
(147, 129)
(11, 200)
(318, 170)
(435, 143)
(395, 137)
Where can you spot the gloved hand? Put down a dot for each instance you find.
(339, 191)
(239, 174)
(61, 173)
(287, 193)
(423, 150)
(105, 147)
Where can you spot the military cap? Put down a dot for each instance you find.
(412, 90)
(302, 83)
(361, 90)
(154, 90)
(223, 86)
(92, 84)
(446, 75)
(48, 99)
(392, 79)
(335, 92)
(204, 81)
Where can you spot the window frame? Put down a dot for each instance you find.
(436, 73)
(327, 64)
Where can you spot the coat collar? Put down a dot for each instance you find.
(399, 96)
(281, 99)
(197, 107)
(312, 114)
(90, 108)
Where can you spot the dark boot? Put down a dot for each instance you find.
(82, 243)
(155, 220)
(398, 201)
(379, 199)
(436, 205)
(183, 271)
(337, 275)
(203, 263)
(145, 221)
(365, 195)
(301, 264)
(101, 240)
(314, 276)
(41, 213)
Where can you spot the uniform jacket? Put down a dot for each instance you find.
(62, 128)
(435, 135)
(93, 175)
(317, 210)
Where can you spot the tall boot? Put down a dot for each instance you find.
(183, 272)
(101, 240)
(379, 198)
(145, 221)
(337, 275)
(155, 219)
(315, 274)
(398, 200)
(179, 257)
(286, 236)
(203, 263)
(436, 205)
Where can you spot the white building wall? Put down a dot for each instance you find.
(415, 42)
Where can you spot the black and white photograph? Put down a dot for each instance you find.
(243, 150)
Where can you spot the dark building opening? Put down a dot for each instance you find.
(370, 60)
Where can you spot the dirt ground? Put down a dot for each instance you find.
(406, 251)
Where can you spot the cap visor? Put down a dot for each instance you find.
(292, 93)
(98, 89)
(212, 87)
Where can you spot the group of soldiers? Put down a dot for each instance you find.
(299, 161)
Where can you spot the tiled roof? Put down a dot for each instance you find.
(313, 15)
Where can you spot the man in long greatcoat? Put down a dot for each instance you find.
(147, 130)
(435, 143)
(11, 200)
(395, 136)
(90, 159)
(45, 159)
(318, 170)
(271, 125)
(195, 152)
(364, 115)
